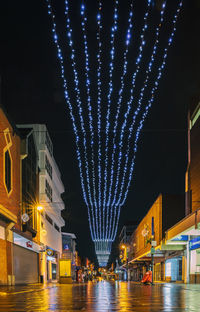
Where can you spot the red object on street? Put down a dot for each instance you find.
(147, 278)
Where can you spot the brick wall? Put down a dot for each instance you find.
(12, 201)
(3, 262)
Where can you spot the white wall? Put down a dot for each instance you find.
(52, 238)
(193, 261)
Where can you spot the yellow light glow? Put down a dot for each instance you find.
(39, 208)
(123, 246)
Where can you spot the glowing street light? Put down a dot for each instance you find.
(39, 208)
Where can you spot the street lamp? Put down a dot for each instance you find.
(39, 208)
(125, 256)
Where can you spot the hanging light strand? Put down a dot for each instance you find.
(141, 47)
(87, 82)
(110, 91)
(130, 102)
(99, 18)
(68, 101)
(79, 104)
(148, 106)
(120, 94)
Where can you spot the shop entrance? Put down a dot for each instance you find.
(53, 271)
(173, 269)
(25, 265)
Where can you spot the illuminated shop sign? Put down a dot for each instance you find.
(66, 247)
(50, 252)
(195, 243)
(181, 238)
(26, 243)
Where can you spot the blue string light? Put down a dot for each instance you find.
(138, 60)
(110, 91)
(130, 102)
(87, 82)
(68, 101)
(104, 205)
(125, 62)
(80, 109)
(148, 106)
(99, 17)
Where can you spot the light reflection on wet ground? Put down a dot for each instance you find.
(104, 296)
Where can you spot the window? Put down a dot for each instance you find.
(29, 181)
(48, 167)
(195, 116)
(8, 171)
(48, 190)
(49, 219)
(49, 144)
(56, 227)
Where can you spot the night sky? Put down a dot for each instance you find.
(32, 93)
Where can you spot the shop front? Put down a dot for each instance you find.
(186, 235)
(194, 246)
(173, 269)
(49, 260)
(25, 260)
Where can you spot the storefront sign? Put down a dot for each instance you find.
(52, 259)
(66, 247)
(195, 243)
(181, 238)
(50, 252)
(23, 242)
(29, 244)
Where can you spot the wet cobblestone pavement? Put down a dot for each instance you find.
(102, 296)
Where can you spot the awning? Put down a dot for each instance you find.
(190, 225)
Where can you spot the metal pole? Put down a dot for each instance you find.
(152, 261)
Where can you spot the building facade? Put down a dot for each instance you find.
(10, 194)
(50, 202)
(20, 248)
(124, 242)
(187, 231)
(148, 250)
(69, 252)
(26, 247)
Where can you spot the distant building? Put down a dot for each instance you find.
(193, 169)
(69, 252)
(150, 232)
(69, 246)
(126, 232)
(50, 201)
(124, 246)
(187, 231)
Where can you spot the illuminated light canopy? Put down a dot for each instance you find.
(138, 59)
(109, 105)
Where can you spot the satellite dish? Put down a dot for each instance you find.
(25, 217)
